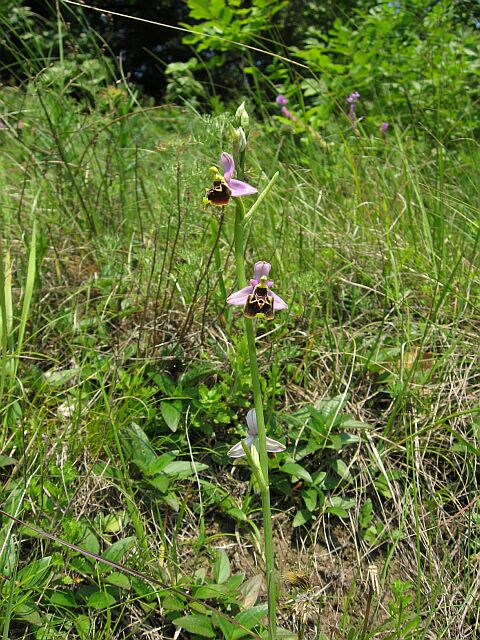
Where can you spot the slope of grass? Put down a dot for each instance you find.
(130, 382)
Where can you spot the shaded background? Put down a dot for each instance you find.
(146, 49)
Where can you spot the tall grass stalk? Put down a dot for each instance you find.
(5, 312)
(12, 339)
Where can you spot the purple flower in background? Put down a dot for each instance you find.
(282, 100)
(272, 445)
(226, 186)
(352, 101)
(383, 128)
(257, 299)
(288, 114)
(353, 98)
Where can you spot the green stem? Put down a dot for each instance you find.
(260, 198)
(262, 436)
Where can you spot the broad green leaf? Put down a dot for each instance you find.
(100, 600)
(6, 461)
(142, 589)
(173, 602)
(118, 580)
(197, 624)
(198, 607)
(233, 582)
(339, 506)
(171, 413)
(343, 439)
(63, 599)
(301, 517)
(172, 501)
(181, 469)
(160, 483)
(285, 634)
(310, 497)
(337, 511)
(161, 462)
(82, 624)
(381, 484)
(163, 382)
(207, 591)
(89, 541)
(221, 569)
(113, 523)
(345, 503)
(249, 618)
(351, 423)
(342, 469)
(137, 446)
(61, 377)
(27, 611)
(319, 478)
(331, 406)
(82, 565)
(237, 513)
(296, 470)
(34, 574)
(119, 548)
(226, 627)
(195, 375)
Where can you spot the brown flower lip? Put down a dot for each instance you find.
(257, 298)
(219, 194)
(259, 303)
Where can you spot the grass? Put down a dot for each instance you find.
(124, 375)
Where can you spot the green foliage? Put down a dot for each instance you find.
(131, 380)
(410, 62)
(27, 40)
(181, 83)
(322, 437)
(225, 22)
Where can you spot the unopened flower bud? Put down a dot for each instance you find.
(239, 139)
(242, 118)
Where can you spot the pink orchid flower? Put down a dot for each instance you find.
(273, 446)
(225, 187)
(257, 299)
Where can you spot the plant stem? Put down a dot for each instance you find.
(262, 440)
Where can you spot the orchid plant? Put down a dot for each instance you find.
(258, 300)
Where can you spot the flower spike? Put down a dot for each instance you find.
(273, 446)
